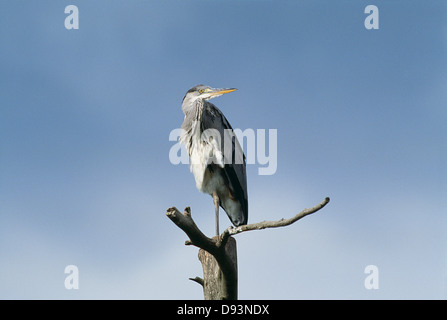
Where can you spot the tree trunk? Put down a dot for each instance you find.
(219, 284)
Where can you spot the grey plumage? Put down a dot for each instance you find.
(216, 157)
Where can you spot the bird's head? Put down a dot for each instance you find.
(204, 92)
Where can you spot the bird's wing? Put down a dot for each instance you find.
(234, 163)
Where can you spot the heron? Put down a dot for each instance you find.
(217, 160)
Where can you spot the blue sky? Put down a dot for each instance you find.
(85, 117)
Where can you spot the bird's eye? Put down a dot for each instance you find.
(201, 91)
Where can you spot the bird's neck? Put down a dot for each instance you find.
(192, 106)
(191, 124)
(193, 112)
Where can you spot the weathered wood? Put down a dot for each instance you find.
(217, 284)
(218, 255)
(212, 276)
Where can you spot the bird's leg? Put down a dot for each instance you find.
(216, 208)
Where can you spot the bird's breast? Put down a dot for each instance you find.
(205, 171)
(204, 152)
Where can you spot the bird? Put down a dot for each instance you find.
(217, 160)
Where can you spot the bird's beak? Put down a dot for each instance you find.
(219, 92)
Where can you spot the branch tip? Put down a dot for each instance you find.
(198, 280)
(171, 211)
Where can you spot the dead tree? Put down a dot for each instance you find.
(218, 254)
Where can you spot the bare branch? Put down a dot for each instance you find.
(187, 224)
(198, 239)
(198, 280)
(271, 224)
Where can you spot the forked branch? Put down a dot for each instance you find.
(198, 239)
(216, 245)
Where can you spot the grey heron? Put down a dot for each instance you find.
(216, 157)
